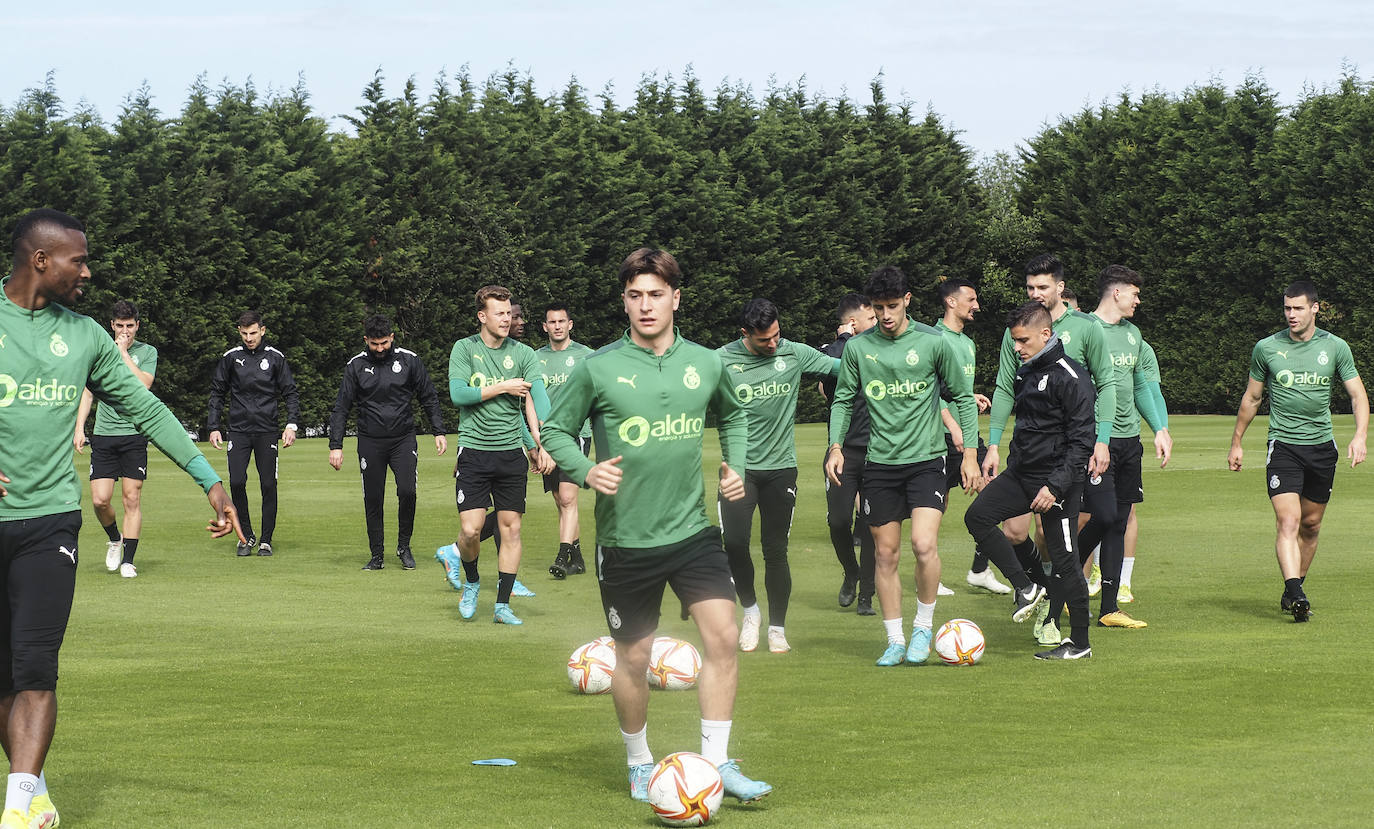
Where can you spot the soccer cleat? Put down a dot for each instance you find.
(245, 548)
(447, 555)
(894, 655)
(1095, 582)
(576, 566)
(14, 819)
(559, 568)
(1049, 635)
(407, 558)
(505, 616)
(777, 642)
(866, 606)
(42, 814)
(919, 649)
(467, 606)
(639, 781)
(1119, 619)
(375, 563)
(265, 548)
(114, 553)
(847, 588)
(128, 571)
(749, 633)
(1066, 650)
(520, 591)
(1027, 602)
(1300, 608)
(740, 787)
(943, 591)
(1286, 605)
(1124, 594)
(987, 581)
(1040, 616)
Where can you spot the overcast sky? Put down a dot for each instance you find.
(995, 71)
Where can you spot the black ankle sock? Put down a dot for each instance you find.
(130, 547)
(1292, 587)
(566, 548)
(470, 574)
(111, 530)
(505, 583)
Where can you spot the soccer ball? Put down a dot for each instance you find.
(959, 642)
(592, 665)
(685, 789)
(673, 664)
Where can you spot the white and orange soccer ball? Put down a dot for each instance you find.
(959, 642)
(685, 789)
(592, 665)
(673, 664)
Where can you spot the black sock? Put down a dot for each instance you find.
(566, 548)
(470, 574)
(1293, 588)
(1302, 579)
(577, 549)
(130, 547)
(111, 530)
(505, 583)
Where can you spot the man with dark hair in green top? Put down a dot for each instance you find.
(557, 361)
(648, 395)
(48, 354)
(899, 367)
(117, 449)
(1299, 365)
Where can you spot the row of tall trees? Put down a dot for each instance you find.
(1219, 197)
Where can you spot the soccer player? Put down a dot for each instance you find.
(765, 371)
(49, 355)
(960, 301)
(846, 526)
(118, 451)
(1050, 447)
(648, 395)
(899, 367)
(1298, 365)
(557, 361)
(496, 385)
(1149, 370)
(383, 380)
(255, 376)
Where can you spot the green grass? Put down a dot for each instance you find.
(214, 691)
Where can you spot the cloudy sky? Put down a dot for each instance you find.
(995, 70)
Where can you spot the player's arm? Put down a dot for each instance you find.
(1099, 361)
(1003, 398)
(569, 411)
(1147, 403)
(816, 362)
(1249, 407)
(286, 387)
(219, 384)
(733, 431)
(533, 417)
(1080, 429)
(123, 341)
(338, 418)
(423, 389)
(1359, 405)
(955, 433)
(841, 408)
(83, 411)
(960, 387)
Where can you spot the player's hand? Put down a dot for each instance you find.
(605, 476)
(123, 340)
(79, 440)
(226, 518)
(440, 444)
(834, 465)
(3, 491)
(1164, 447)
(990, 463)
(336, 459)
(216, 439)
(1043, 500)
(515, 387)
(1356, 452)
(288, 437)
(957, 435)
(731, 484)
(970, 475)
(1101, 459)
(542, 461)
(1233, 459)
(984, 404)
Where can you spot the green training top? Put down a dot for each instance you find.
(107, 420)
(1134, 395)
(651, 411)
(557, 367)
(900, 380)
(964, 351)
(496, 424)
(767, 387)
(1083, 342)
(1149, 369)
(46, 357)
(1299, 378)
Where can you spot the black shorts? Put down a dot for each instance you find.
(558, 476)
(484, 478)
(839, 498)
(954, 461)
(632, 580)
(1309, 471)
(38, 563)
(119, 456)
(891, 492)
(1127, 456)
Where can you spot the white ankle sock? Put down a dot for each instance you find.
(19, 794)
(715, 741)
(637, 747)
(925, 615)
(753, 610)
(894, 631)
(1127, 565)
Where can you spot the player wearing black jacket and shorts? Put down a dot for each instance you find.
(383, 380)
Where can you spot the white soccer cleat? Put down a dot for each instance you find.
(943, 591)
(987, 581)
(777, 642)
(749, 633)
(127, 571)
(114, 553)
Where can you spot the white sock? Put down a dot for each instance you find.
(19, 794)
(925, 615)
(775, 628)
(637, 747)
(894, 631)
(715, 741)
(42, 784)
(1127, 565)
(753, 610)
(1097, 555)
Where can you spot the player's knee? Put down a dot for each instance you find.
(131, 501)
(34, 668)
(101, 502)
(1310, 526)
(1287, 525)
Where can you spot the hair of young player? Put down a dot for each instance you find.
(758, 315)
(651, 260)
(1068, 294)
(1031, 315)
(557, 306)
(487, 292)
(1302, 288)
(952, 286)
(1114, 275)
(1046, 263)
(887, 282)
(849, 303)
(249, 318)
(377, 327)
(124, 310)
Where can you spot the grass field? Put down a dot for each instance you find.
(298, 691)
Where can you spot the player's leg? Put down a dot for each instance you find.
(1067, 584)
(736, 528)
(265, 453)
(1309, 527)
(1320, 463)
(1004, 500)
(238, 450)
(925, 533)
(887, 550)
(508, 497)
(839, 511)
(1299, 481)
(564, 493)
(131, 492)
(777, 502)
(102, 495)
(404, 460)
(1124, 594)
(372, 464)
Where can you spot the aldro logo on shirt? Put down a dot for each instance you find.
(1288, 379)
(877, 389)
(39, 392)
(763, 391)
(1123, 360)
(637, 430)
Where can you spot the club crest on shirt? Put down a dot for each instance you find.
(1065, 338)
(780, 364)
(1130, 338)
(57, 347)
(570, 362)
(690, 378)
(508, 363)
(396, 367)
(1322, 359)
(264, 365)
(912, 358)
(1044, 380)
